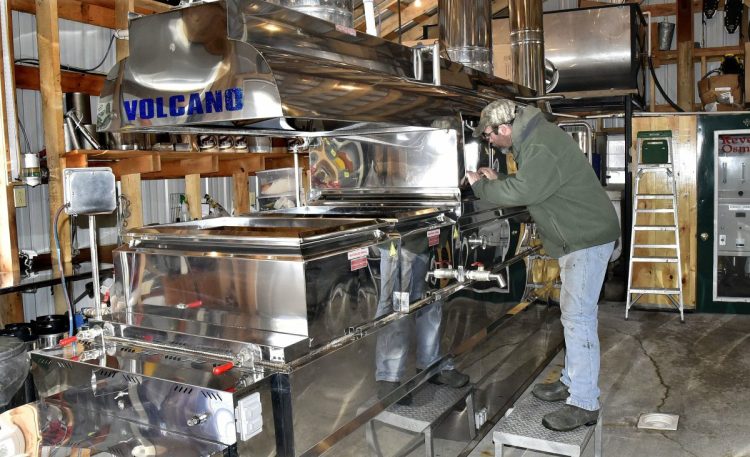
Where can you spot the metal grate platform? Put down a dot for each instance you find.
(430, 404)
(523, 428)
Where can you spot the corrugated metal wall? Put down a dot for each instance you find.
(84, 46)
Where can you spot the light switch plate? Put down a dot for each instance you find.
(19, 197)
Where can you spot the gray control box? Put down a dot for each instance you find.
(89, 191)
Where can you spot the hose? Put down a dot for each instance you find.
(661, 90)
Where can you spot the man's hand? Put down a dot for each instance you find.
(473, 177)
(488, 173)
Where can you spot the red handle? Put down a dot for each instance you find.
(223, 368)
(68, 340)
(477, 264)
(194, 304)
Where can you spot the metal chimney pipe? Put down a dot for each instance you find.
(337, 11)
(527, 43)
(466, 32)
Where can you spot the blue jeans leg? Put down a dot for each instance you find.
(582, 273)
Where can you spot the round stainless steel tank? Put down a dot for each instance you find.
(337, 11)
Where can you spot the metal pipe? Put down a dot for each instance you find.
(589, 151)
(95, 266)
(369, 7)
(296, 180)
(11, 119)
(527, 43)
(466, 32)
(337, 11)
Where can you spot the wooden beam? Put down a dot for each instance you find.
(717, 53)
(669, 9)
(74, 161)
(181, 168)
(248, 165)
(122, 8)
(389, 26)
(95, 12)
(130, 186)
(193, 195)
(685, 43)
(78, 11)
(48, 43)
(27, 77)
(135, 165)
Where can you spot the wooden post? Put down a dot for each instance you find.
(240, 191)
(122, 8)
(130, 185)
(11, 305)
(685, 67)
(48, 42)
(193, 195)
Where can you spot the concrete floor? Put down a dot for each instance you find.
(699, 370)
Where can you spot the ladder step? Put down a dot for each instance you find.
(658, 210)
(655, 246)
(656, 259)
(654, 196)
(654, 290)
(655, 167)
(654, 228)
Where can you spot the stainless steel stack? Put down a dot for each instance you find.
(264, 335)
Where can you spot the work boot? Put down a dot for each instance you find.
(386, 387)
(569, 418)
(556, 391)
(451, 378)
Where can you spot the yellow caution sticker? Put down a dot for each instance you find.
(392, 251)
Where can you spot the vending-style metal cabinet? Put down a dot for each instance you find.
(724, 213)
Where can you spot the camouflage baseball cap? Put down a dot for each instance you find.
(496, 113)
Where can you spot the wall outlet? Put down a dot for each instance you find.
(19, 196)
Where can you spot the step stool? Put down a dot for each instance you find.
(522, 427)
(430, 404)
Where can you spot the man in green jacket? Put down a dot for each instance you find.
(578, 226)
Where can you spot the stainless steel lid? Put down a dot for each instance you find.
(10, 347)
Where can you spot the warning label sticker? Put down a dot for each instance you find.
(357, 253)
(359, 263)
(433, 237)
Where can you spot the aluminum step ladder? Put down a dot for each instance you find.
(654, 156)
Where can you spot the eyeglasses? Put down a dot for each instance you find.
(486, 136)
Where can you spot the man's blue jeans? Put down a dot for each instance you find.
(582, 273)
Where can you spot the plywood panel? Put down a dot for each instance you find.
(684, 136)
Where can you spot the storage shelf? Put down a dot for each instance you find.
(15, 282)
(668, 57)
(150, 164)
